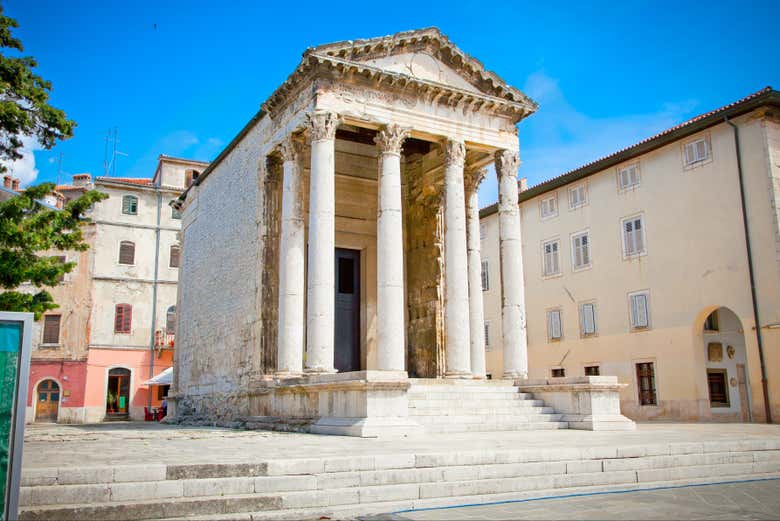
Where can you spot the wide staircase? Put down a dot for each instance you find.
(446, 406)
(345, 486)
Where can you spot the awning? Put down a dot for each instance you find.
(164, 378)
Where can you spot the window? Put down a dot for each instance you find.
(628, 177)
(588, 319)
(51, 329)
(130, 205)
(485, 276)
(645, 378)
(487, 334)
(482, 231)
(711, 323)
(175, 256)
(640, 314)
(126, 252)
(170, 320)
(558, 372)
(123, 318)
(592, 370)
(577, 197)
(552, 266)
(190, 176)
(554, 331)
(697, 151)
(548, 207)
(580, 251)
(162, 391)
(633, 236)
(175, 213)
(719, 391)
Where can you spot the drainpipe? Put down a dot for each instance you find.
(154, 288)
(754, 296)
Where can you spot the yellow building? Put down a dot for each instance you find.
(654, 264)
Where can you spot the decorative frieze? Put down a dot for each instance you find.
(322, 125)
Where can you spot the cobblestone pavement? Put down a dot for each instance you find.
(747, 500)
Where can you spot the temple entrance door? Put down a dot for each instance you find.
(48, 401)
(347, 320)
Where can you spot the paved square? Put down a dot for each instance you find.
(748, 500)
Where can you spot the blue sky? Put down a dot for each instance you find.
(183, 78)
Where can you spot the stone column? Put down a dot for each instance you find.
(291, 265)
(513, 330)
(322, 238)
(391, 353)
(456, 296)
(476, 313)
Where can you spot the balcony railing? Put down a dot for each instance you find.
(163, 339)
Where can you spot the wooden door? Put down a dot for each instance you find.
(743, 393)
(48, 405)
(347, 319)
(118, 392)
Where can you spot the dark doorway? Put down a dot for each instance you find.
(347, 330)
(118, 393)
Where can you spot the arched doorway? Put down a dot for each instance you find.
(118, 393)
(726, 366)
(47, 405)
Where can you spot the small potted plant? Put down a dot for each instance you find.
(111, 402)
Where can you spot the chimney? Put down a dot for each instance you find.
(522, 184)
(15, 183)
(81, 180)
(7, 181)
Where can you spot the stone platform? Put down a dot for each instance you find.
(140, 471)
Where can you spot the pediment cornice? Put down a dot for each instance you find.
(513, 103)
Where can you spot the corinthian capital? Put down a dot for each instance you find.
(290, 149)
(454, 152)
(322, 125)
(391, 138)
(474, 177)
(507, 163)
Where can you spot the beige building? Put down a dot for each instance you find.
(640, 265)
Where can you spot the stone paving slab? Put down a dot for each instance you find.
(747, 500)
(142, 443)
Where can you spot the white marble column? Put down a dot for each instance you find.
(513, 330)
(391, 354)
(456, 295)
(291, 264)
(476, 312)
(322, 238)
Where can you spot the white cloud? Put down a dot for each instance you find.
(559, 138)
(24, 169)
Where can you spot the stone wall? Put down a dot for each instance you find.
(219, 327)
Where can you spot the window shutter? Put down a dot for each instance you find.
(175, 256)
(51, 329)
(585, 246)
(639, 310)
(555, 324)
(689, 153)
(487, 334)
(130, 204)
(639, 236)
(170, 320)
(701, 150)
(123, 318)
(126, 252)
(485, 276)
(588, 319)
(555, 267)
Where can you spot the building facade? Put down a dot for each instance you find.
(639, 265)
(115, 325)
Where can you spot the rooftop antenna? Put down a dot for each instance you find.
(59, 170)
(109, 165)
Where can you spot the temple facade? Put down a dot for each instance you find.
(331, 252)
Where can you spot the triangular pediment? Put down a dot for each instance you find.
(423, 54)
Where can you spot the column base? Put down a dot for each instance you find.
(318, 370)
(458, 374)
(514, 375)
(287, 374)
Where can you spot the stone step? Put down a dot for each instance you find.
(489, 427)
(508, 389)
(470, 401)
(487, 418)
(457, 382)
(476, 393)
(434, 410)
(370, 509)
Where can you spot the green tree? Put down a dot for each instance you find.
(24, 107)
(27, 228)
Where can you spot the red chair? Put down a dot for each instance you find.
(160, 414)
(148, 416)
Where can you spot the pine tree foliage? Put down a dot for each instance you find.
(29, 232)
(24, 107)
